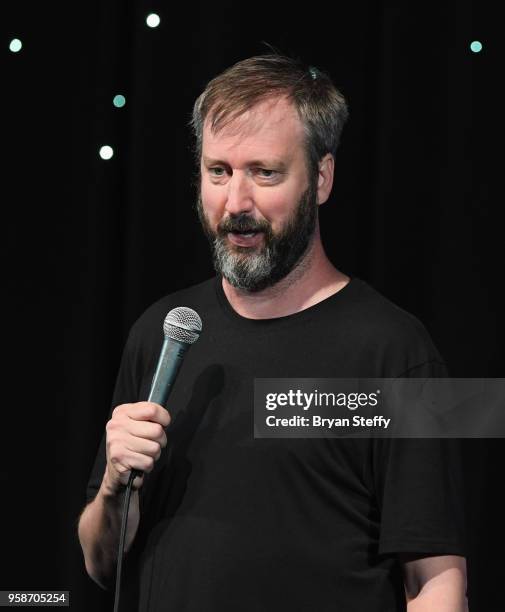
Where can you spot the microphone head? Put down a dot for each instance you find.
(182, 324)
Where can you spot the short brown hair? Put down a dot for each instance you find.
(321, 107)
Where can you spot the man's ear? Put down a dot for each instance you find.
(325, 178)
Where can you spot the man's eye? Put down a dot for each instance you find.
(216, 171)
(263, 172)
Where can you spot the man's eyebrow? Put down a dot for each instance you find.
(261, 163)
(209, 161)
(269, 163)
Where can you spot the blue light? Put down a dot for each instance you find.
(476, 46)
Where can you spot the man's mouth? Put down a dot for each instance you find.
(245, 233)
(245, 238)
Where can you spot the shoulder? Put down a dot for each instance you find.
(379, 324)
(379, 313)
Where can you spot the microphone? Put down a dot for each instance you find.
(182, 327)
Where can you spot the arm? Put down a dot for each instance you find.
(435, 583)
(99, 528)
(135, 436)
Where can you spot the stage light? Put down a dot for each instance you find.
(119, 101)
(106, 152)
(153, 20)
(15, 45)
(476, 46)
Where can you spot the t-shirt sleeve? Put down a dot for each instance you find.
(419, 488)
(125, 391)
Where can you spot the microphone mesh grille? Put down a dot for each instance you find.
(182, 324)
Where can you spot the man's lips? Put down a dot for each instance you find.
(245, 240)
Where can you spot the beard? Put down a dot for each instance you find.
(253, 269)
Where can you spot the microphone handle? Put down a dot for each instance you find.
(169, 362)
(171, 355)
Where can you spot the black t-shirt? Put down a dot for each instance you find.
(230, 522)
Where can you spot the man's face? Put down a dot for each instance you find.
(256, 203)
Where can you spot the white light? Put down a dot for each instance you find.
(476, 46)
(15, 45)
(106, 152)
(153, 20)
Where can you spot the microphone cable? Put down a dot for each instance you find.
(122, 537)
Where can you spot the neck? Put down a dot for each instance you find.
(311, 281)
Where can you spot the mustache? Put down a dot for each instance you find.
(243, 223)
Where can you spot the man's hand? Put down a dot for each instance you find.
(435, 583)
(135, 437)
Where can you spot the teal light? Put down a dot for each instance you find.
(15, 45)
(119, 101)
(476, 46)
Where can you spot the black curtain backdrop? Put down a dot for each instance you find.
(416, 210)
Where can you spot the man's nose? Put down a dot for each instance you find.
(239, 198)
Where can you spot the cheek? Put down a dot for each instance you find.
(277, 206)
(206, 191)
(211, 201)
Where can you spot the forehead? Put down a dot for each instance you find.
(270, 129)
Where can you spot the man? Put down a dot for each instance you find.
(223, 521)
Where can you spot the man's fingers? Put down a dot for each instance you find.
(126, 460)
(135, 438)
(144, 447)
(144, 411)
(149, 431)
